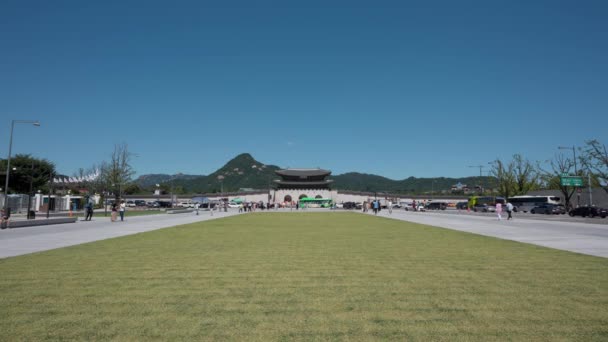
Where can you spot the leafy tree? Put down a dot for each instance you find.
(505, 177)
(26, 169)
(131, 189)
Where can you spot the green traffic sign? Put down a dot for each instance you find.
(571, 181)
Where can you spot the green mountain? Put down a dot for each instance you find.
(244, 171)
(151, 180)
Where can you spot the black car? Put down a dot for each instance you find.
(548, 209)
(589, 211)
(436, 206)
(349, 205)
(462, 205)
(165, 204)
(140, 203)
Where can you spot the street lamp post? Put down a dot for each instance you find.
(578, 195)
(29, 202)
(480, 175)
(589, 184)
(8, 160)
(48, 208)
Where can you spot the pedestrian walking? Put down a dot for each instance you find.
(196, 206)
(89, 211)
(114, 212)
(509, 210)
(6, 218)
(121, 210)
(375, 205)
(499, 211)
(390, 207)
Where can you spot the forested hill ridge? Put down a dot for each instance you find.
(244, 171)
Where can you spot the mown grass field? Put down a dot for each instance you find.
(304, 276)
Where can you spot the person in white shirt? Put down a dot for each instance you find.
(121, 210)
(509, 210)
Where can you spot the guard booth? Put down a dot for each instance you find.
(48, 204)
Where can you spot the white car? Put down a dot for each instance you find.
(184, 204)
(233, 205)
(419, 207)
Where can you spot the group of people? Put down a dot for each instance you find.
(509, 209)
(118, 209)
(376, 206)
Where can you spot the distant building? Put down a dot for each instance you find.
(459, 188)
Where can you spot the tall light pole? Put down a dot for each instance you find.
(480, 176)
(578, 195)
(8, 160)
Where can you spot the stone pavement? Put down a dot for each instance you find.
(578, 237)
(20, 241)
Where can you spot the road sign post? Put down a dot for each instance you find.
(571, 181)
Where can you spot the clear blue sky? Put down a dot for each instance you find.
(394, 88)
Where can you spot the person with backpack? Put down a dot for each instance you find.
(509, 210)
(89, 211)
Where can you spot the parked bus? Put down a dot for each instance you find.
(308, 202)
(526, 203)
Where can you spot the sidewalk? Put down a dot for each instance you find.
(584, 238)
(20, 241)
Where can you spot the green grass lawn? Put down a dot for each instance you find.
(304, 276)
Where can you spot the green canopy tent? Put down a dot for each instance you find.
(236, 200)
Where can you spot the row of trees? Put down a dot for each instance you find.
(29, 174)
(519, 175)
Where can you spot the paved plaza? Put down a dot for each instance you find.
(26, 240)
(579, 237)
